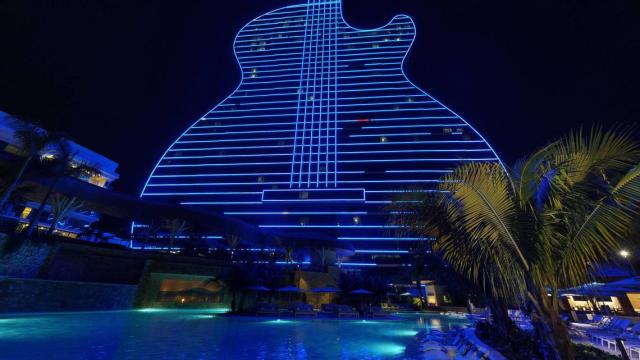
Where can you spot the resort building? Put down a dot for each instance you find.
(324, 129)
(102, 173)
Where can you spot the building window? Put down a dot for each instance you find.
(25, 213)
(260, 179)
(303, 195)
(356, 220)
(383, 139)
(98, 180)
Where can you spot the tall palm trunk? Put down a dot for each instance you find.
(53, 226)
(549, 329)
(233, 301)
(501, 323)
(15, 182)
(36, 216)
(420, 298)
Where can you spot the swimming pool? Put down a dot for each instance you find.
(204, 334)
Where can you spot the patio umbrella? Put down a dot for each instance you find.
(289, 289)
(327, 289)
(361, 292)
(258, 288)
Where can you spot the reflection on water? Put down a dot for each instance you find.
(198, 334)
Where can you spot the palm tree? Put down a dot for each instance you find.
(289, 250)
(418, 265)
(61, 207)
(148, 234)
(32, 141)
(236, 280)
(233, 241)
(59, 164)
(323, 257)
(544, 226)
(176, 227)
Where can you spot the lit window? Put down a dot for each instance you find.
(13, 149)
(356, 219)
(98, 180)
(383, 139)
(409, 99)
(446, 130)
(303, 195)
(260, 179)
(25, 213)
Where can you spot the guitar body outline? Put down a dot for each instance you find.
(260, 121)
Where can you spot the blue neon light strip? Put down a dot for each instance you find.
(324, 153)
(384, 238)
(295, 212)
(381, 251)
(331, 226)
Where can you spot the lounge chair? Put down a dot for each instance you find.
(598, 322)
(328, 309)
(300, 309)
(267, 309)
(345, 310)
(374, 311)
(389, 307)
(608, 339)
(617, 327)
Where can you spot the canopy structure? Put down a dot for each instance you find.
(631, 284)
(327, 289)
(290, 288)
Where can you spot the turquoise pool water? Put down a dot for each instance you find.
(198, 334)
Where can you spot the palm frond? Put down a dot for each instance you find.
(483, 206)
(600, 229)
(526, 174)
(578, 156)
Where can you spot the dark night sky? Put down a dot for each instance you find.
(126, 77)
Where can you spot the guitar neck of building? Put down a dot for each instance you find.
(315, 160)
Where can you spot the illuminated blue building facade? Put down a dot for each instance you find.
(323, 129)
